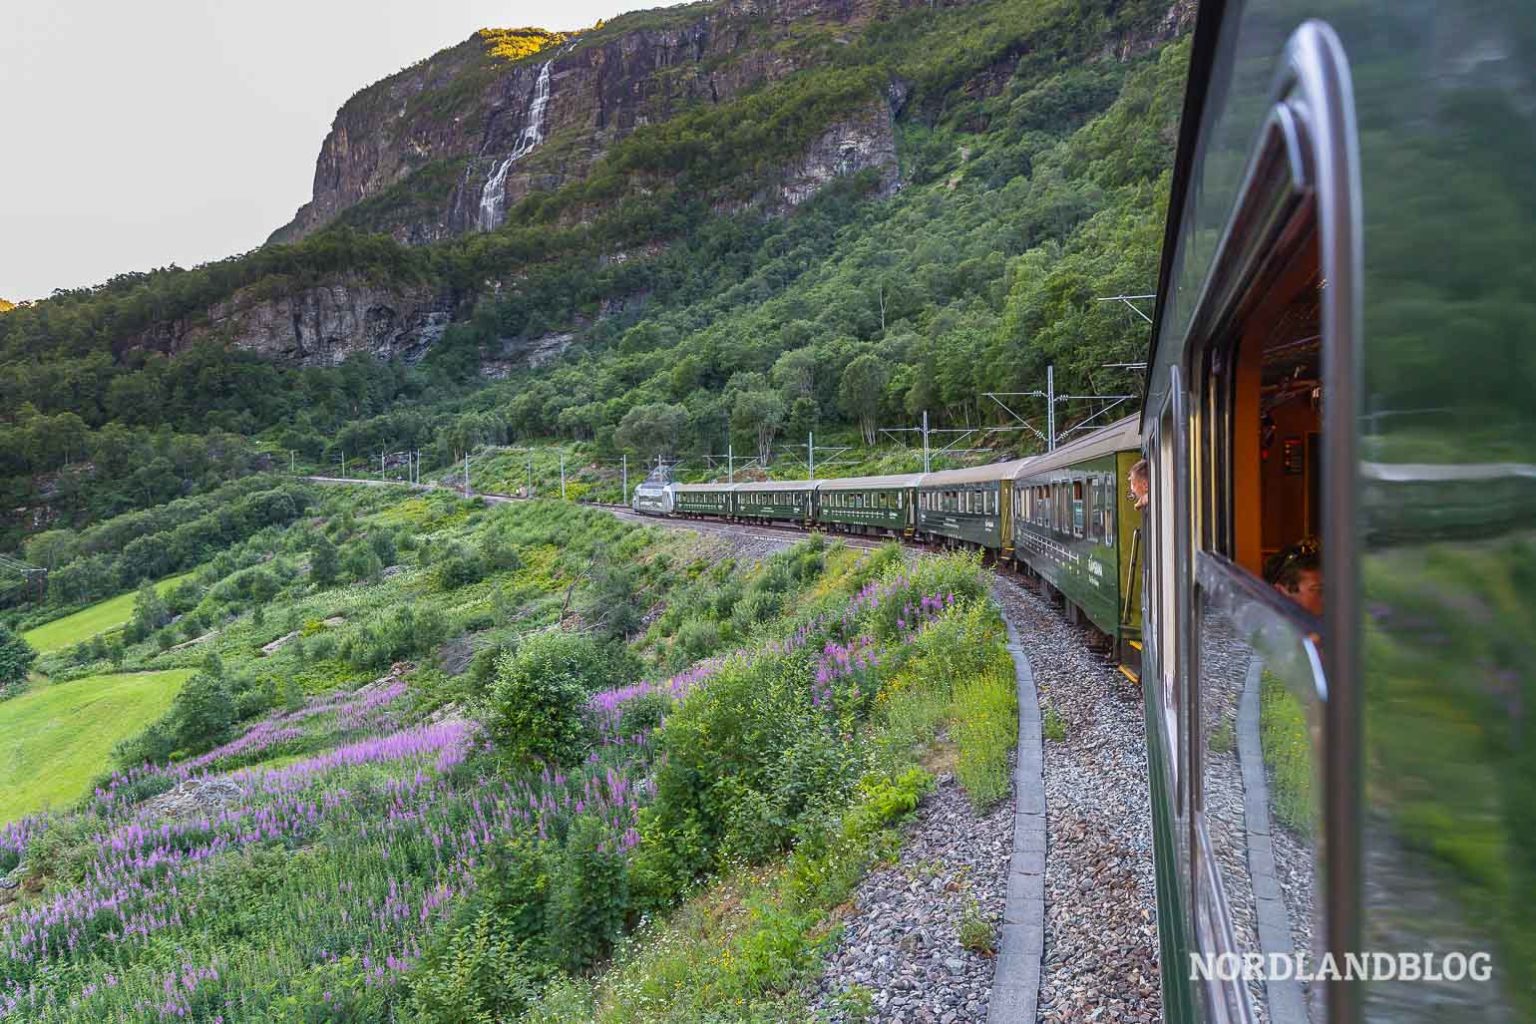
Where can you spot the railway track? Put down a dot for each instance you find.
(1098, 937)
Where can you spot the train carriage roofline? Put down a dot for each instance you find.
(1119, 436)
(703, 488)
(996, 472)
(889, 482)
(776, 485)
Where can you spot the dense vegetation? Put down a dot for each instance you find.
(447, 770)
(1035, 175)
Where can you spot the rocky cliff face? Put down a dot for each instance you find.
(317, 326)
(447, 146)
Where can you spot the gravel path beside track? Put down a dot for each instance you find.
(1101, 946)
(900, 947)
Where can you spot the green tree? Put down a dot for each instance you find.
(203, 712)
(324, 561)
(16, 658)
(761, 414)
(654, 429)
(149, 612)
(534, 709)
(862, 392)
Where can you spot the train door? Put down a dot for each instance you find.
(1270, 749)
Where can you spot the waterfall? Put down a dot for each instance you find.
(493, 197)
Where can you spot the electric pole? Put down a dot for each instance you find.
(562, 476)
(624, 486)
(1050, 407)
(730, 463)
(466, 474)
(927, 465)
(810, 455)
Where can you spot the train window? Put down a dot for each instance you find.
(1265, 390)
(1078, 512)
(1111, 494)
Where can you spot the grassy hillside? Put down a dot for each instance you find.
(99, 618)
(462, 751)
(55, 739)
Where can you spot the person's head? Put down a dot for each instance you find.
(1141, 485)
(1296, 570)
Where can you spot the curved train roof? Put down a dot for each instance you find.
(777, 485)
(854, 483)
(696, 488)
(975, 474)
(1121, 435)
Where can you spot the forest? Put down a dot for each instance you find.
(1034, 177)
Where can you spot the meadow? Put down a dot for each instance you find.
(87, 623)
(55, 739)
(506, 763)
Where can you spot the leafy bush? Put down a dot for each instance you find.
(479, 975)
(16, 658)
(388, 638)
(697, 638)
(457, 568)
(588, 896)
(324, 562)
(534, 708)
(203, 714)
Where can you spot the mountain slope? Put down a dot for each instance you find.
(943, 189)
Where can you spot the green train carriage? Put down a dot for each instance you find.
(969, 506)
(1075, 526)
(1340, 354)
(790, 501)
(884, 505)
(702, 499)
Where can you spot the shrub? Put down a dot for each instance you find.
(203, 713)
(698, 638)
(643, 713)
(324, 562)
(16, 658)
(479, 975)
(535, 706)
(588, 895)
(360, 562)
(612, 605)
(757, 606)
(457, 568)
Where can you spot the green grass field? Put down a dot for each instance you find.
(55, 739)
(88, 622)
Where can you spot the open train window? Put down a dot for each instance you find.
(1269, 396)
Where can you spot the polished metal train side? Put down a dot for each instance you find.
(1382, 756)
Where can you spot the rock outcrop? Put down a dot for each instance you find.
(315, 326)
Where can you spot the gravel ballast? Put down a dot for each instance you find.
(900, 949)
(1101, 944)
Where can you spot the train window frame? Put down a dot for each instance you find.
(1301, 188)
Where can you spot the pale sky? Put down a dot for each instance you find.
(135, 135)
